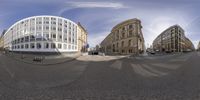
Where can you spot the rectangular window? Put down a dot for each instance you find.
(32, 38)
(53, 45)
(54, 36)
(39, 46)
(22, 46)
(26, 46)
(18, 40)
(22, 40)
(129, 43)
(46, 45)
(47, 27)
(65, 46)
(32, 45)
(27, 39)
(60, 46)
(46, 36)
(130, 33)
(130, 26)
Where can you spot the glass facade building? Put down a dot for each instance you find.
(42, 34)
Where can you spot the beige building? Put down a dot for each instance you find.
(82, 38)
(198, 46)
(125, 38)
(2, 40)
(173, 39)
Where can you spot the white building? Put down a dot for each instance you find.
(42, 34)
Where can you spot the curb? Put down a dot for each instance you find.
(40, 63)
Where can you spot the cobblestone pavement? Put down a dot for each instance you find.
(169, 77)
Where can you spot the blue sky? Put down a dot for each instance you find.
(99, 16)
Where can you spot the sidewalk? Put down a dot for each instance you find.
(46, 60)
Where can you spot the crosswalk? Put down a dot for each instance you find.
(154, 70)
(180, 59)
(148, 69)
(166, 66)
(198, 53)
(116, 65)
(138, 69)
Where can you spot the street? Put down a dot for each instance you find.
(167, 77)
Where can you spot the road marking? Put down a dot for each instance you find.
(154, 70)
(198, 53)
(167, 66)
(7, 70)
(141, 71)
(181, 58)
(5, 67)
(178, 59)
(117, 65)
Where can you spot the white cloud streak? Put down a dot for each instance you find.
(114, 5)
(73, 5)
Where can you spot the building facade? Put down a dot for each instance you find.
(172, 39)
(42, 34)
(2, 40)
(82, 38)
(198, 46)
(125, 38)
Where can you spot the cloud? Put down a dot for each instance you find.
(114, 5)
(73, 5)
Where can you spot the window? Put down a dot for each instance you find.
(53, 23)
(65, 46)
(22, 46)
(69, 39)
(123, 28)
(53, 28)
(130, 26)
(123, 35)
(18, 40)
(53, 45)
(60, 36)
(32, 38)
(130, 33)
(47, 27)
(54, 36)
(32, 45)
(122, 44)
(22, 40)
(26, 46)
(38, 46)
(47, 22)
(60, 46)
(46, 45)
(65, 39)
(27, 39)
(129, 43)
(53, 18)
(47, 36)
(39, 37)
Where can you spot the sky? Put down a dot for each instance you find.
(100, 16)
